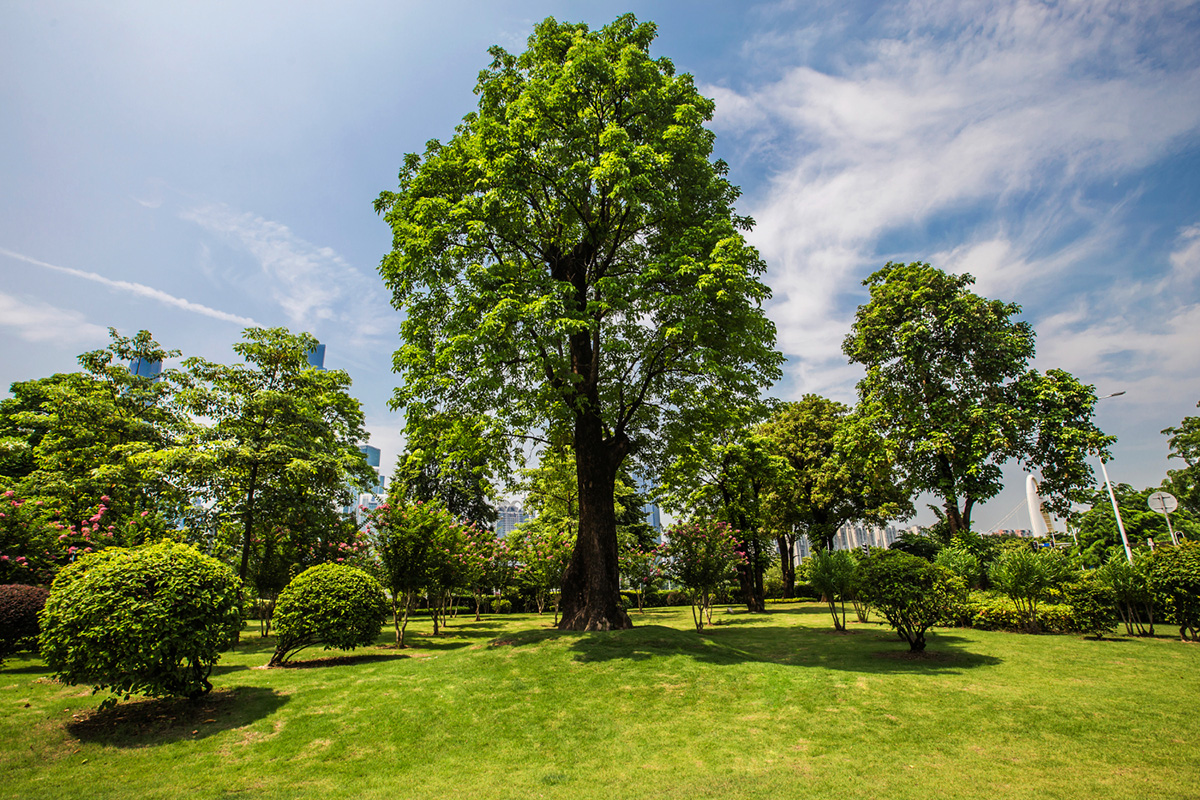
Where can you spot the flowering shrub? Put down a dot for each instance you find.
(542, 555)
(643, 569)
(150, 619)
(330, 604)
(702, 556)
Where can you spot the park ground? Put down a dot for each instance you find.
(776, 705)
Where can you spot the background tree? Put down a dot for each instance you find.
(837, 472)
(402, 537)
(79, 441)
(448, 459)
(1184, 442)
(731, 476)
(702, 556)
(1096, 528)
(832, 573)
(949, 388)
(282, 437)
(542, 554)
(571, 259)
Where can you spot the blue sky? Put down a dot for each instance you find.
(193, 168)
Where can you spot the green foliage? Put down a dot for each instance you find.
(916, 544)
(1093, 605)
(949, 389)
(542, 555)
(643, 571)
(963, 563)
(331, 605)
(833, 573)
(1027, 577)
(702, 556)
(448, 460)
(1129, 585)
(19, 609)
(836, 471)
(281, 447)
(1175, 580)
(82, 446)
(996, 612)
(910, 592)
(151, 619)
(1184, 442)
(577, 213)
(1099, 537)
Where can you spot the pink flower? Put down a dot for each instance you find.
(145, 513)
(104, 498)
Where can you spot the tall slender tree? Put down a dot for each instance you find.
(571, 259)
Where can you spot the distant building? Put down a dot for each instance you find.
(853, 536)
(510, 516)
(146, 368)
(366, 502)
(316, 356)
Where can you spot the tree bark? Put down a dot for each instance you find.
(787, 563)
(591, 584)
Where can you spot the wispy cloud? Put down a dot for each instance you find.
(313, 285)
(41, 322)
(951, 115)
(139, 289)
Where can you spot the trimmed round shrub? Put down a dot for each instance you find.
(19, 609)
(910, 592)
(1175, 581)
(333, 605)
(151, 620)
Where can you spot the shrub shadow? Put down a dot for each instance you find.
(144, 723)
(342, 661)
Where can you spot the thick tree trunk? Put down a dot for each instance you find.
(591, 584)
(787, 563)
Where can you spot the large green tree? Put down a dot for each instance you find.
(948, 385)
(447, 459)
(280, 443)
(571, 258)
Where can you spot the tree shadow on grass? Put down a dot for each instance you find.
(871, 650)
(144, 723)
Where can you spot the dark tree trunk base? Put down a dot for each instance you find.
(587, 620)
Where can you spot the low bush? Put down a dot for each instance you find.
(150, 619)
(19, 609)
(333, 605)
(995, 612)
(503, 606)
(677, 599)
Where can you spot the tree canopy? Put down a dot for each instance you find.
(571, 259)
(949, 388)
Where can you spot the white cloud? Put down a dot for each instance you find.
(1003, 109)
(313, 285)
(139, 289)
(41, 322)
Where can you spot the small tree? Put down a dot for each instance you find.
(643, 570)
(702, 556)
(330, 604)
(151, 619)
(402, 537)
(1175, 580)
(831, 572)
(543, 555)
(1130, 588)
(962, 563)
(910, 592)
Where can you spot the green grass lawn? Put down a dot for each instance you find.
(774, 705)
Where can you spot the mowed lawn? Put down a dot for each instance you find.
(775, 705)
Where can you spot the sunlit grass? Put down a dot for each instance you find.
(774, 705)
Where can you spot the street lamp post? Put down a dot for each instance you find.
(1112, 495)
